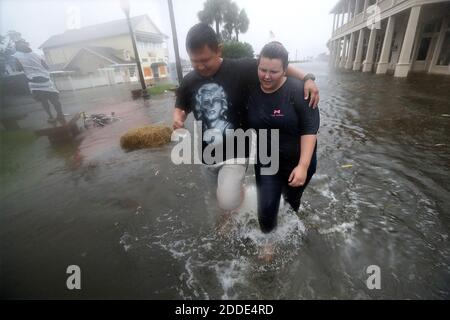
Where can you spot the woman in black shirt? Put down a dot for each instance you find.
(278, 103)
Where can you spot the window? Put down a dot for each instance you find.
(132, 70)
(148, 72)
(423, 49)
(162, 70)
(126, 55)
(444, 56)
(430, 27)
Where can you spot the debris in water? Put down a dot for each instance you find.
(392, 230)
(347, 166)
(145, 137)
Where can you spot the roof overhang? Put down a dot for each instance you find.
(338, 7)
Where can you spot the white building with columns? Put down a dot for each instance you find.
(395, 36)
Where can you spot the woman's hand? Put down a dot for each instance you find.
(298, 176)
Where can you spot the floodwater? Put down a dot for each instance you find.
(137, 227)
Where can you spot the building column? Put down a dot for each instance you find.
(351, 49)
(366, 4)
(335, 52)
(404, 62)
(359, 50)
(342, 18)
(332, 52)
(331, 48)
(368, 62)
(439, 42)
(356, 8)
(334, 24)
(338, 53)
(349, 11)
(387, 42)
(344, 53)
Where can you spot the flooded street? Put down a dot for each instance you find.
(137, 226)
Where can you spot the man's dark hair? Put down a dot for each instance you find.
(275, 50)
(200, 35)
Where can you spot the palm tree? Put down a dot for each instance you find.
(235, 21)
(7, 49)
(213, 12)
(230, 18)
(242, 24)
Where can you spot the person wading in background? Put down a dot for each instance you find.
(39, 82)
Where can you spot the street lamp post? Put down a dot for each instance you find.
(125, 5)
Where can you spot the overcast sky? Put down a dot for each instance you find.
(303, 26)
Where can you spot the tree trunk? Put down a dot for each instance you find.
(237, 35)
(217, 28)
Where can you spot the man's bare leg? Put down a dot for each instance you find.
(225, 221)
(267, 252)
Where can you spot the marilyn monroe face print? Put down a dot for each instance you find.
(212, 107)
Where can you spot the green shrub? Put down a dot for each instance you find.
(235, 49)
(161, 88)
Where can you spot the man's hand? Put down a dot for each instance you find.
(312, 91)
(298, 176)
(177, 124)
(179, 116)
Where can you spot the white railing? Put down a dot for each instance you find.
(383, 5)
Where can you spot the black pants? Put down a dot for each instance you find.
(44, 97)
(271, 187)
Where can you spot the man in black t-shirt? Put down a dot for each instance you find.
(216, 93)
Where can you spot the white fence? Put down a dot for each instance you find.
(69, 81)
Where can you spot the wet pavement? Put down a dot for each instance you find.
(136, 224)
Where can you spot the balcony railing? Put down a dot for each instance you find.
(361, 17)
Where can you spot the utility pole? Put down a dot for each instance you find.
(175, 42)
(126, 9)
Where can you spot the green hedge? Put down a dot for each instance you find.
(160, 88)
(235, 50)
